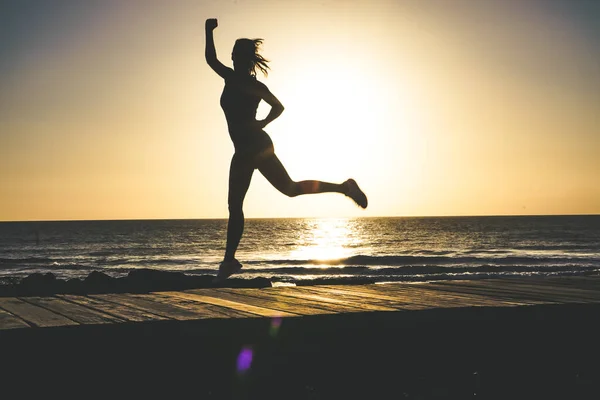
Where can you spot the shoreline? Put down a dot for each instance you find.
(147, 280)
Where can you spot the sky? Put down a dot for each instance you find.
(108, 109)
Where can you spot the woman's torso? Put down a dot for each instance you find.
(240, 100)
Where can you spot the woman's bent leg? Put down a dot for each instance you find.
(240, 175)
(275, 173)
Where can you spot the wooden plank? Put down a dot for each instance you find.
(152, 302)
(582, 282)
(385, 301)
(32, 314)
(510, 290)
(9, 321)
(406, 296)
(528, 280)
(532, 291)
(473, 300)
(476, 299)
(495, 292)
(76, 312)
(261, 298)
(427, 292)
(198, 295)
(116, 310)
(143, 304)
(417, 294)
(459, 287)
(367, 304)
(562, 290)
(322, 307)
(363, 292)
(205, 311)
(573, 281)
(326, 307)
(341, 304)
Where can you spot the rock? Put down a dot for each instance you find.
(37, 284)
(145, 280)
(255, 283)
(98, 282)
(201, 281)
(137, 281)
(74, 286)
(38, 279)
(8, 290)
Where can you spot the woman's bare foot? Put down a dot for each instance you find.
(226, 269)
(354, 192)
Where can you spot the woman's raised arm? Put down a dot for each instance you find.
(210, 53)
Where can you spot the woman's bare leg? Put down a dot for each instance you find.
(240, 175)
(275, 172)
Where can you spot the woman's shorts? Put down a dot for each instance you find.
(254, 147)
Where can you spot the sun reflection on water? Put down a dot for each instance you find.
(327, 239)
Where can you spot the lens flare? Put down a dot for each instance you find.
(244, 360)
(275, 324)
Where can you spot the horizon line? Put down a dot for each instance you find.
(355, 217)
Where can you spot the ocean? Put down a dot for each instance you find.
(307, 250)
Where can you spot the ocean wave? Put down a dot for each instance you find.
(359, 266)
(312, 275)
(402, 272)
(408, 260)
(357, 280)
(27, 260)
(353, 263)
(418, 270)
(105, 253)
(147, 262)
(559, 247)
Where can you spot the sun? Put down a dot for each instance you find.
(348, 117)
(328, 124)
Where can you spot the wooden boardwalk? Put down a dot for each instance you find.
(498, 339)
(288, 302)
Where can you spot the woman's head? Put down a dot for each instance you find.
(246, 58)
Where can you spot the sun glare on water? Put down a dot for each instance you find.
(326, 239)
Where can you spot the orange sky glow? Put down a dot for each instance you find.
(109, 111)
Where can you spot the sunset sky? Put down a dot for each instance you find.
(108, 109)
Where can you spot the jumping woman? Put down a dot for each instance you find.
(253, 146)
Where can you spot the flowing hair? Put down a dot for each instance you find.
(246, 51)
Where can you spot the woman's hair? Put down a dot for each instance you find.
(246, 52)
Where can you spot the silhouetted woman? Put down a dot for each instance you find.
(253, 146)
